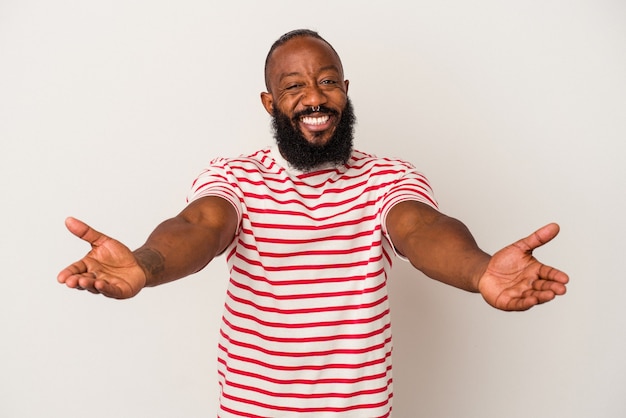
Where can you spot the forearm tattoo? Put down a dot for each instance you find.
(151, 261)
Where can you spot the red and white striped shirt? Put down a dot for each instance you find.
(306, 328)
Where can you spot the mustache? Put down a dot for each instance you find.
(310, 111)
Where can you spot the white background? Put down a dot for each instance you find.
(516, 111)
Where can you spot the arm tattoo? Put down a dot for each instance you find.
(151, 261)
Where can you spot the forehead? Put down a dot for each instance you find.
(302, 55)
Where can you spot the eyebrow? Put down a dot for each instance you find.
(295, 73)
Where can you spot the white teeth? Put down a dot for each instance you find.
(309, 120)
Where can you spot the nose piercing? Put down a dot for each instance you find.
(315, 108)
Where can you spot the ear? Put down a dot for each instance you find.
(345, 83)
(268, 102)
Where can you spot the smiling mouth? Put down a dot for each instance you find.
(315, 120)
(316, 124)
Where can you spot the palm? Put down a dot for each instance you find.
(109, 268)
(516, 281)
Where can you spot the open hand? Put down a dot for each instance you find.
(517, 281)
(109, 268)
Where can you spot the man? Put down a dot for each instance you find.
(309, 229)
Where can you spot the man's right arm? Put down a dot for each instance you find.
(177, 248)
(185, 244)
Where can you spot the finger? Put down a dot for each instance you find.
(537, 298)
(84, 231)
(80, 281)
(550, 286)
(542, 291)
(111, 290)
(530, 299)
(92, 284)
(75, 269)
(522, 303)
(538, 238)
(87, 281)
(553, 275)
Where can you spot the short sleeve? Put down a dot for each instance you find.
(411, 185)
(217, 180)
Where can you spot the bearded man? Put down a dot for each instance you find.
(309, 228)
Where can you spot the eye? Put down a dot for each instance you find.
(329, 81)
(293, 86)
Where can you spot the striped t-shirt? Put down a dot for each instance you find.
(306, 325)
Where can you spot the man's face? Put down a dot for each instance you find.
(304, 74)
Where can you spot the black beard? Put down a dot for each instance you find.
(303, 155)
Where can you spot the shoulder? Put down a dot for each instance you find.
(259, 156)
(366, 161)
(260, 161)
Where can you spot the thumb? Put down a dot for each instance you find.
(538, 238)
(84, 231)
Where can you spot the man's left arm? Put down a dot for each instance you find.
(444, 249)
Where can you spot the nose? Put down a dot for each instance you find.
(313, 96)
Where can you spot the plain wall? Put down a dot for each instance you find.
(516, 111)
